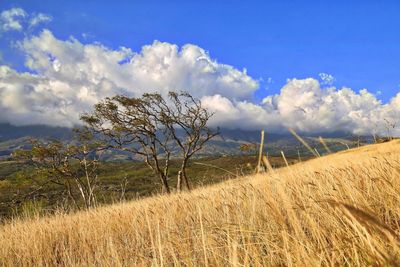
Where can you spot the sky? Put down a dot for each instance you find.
(316, 66)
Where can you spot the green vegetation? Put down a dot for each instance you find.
(118, 181)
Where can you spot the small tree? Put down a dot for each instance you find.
(390, 126)
(249, 147)
(74, 167)
(128, 124)
(153, 127)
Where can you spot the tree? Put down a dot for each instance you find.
(186, 116)
(74, 167)
(153, 127)
(390, 127)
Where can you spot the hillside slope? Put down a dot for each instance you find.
(342, 209)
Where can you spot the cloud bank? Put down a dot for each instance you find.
(307, 107)
(66, 77)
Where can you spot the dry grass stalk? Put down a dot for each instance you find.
(348, 148)
(215, 167)
(303, 142)
(284, 158)
(267, 164)
(298, 154)
(260, 153)
(322, 141)
(316, 151)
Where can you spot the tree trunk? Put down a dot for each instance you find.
(164, 182)
(70, 194)
(186, 179)
(179, 182)
(183, 175)
(82, 191)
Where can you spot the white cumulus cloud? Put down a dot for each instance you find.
(16, 19)
(306, 106)
(10, 20)
(326, 78)
(36, 19)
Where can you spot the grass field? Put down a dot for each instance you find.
(338, 210)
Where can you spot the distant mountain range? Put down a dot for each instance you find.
(227, 143)
(8, 132)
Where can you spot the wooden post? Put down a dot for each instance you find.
(260, 152)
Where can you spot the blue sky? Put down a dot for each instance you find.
(255, 64)
(355, 41)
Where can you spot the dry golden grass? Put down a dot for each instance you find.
(342, 209)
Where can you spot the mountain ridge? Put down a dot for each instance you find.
(227, 143)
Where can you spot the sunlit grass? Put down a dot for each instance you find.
(341, 209)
